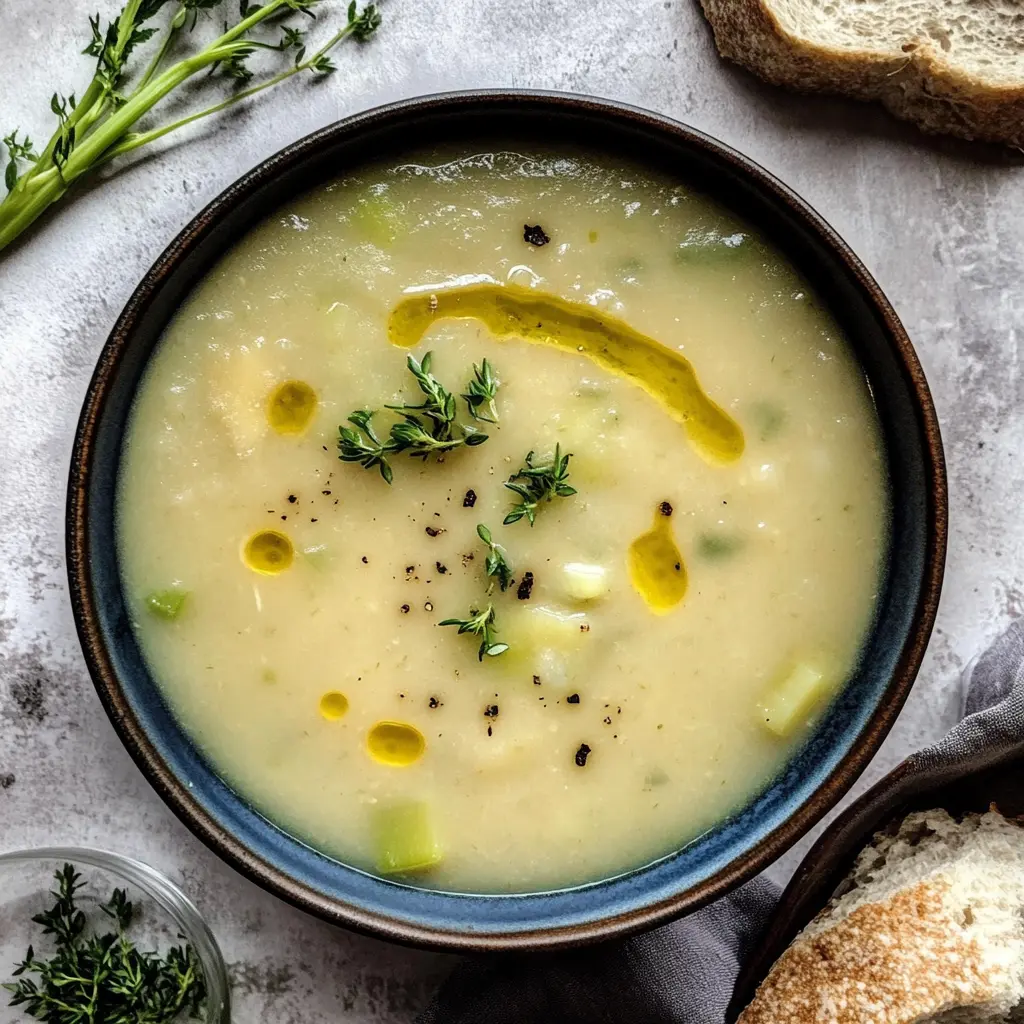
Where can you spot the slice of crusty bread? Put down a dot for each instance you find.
(954, 66)
(929, 928)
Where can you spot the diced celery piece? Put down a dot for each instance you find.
(584, 582)
(403, 834)
(791, 698)
(166, 604)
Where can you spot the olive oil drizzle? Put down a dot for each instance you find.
(656, 567)
(509, 311)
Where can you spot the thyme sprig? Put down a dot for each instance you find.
(537, 483)
(438, 404)
(430, 428)
(481, 392)
(481, 624)
(94, 978)
(99, 125)
(496, 565)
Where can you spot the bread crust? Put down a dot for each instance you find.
(918, 85)
(895, 962)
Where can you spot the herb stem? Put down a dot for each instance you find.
(98, 128)
(135, 140)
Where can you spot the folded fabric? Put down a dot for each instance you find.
(685, 971)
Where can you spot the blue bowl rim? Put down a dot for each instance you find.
(640, 913)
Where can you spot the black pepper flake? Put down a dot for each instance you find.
(608, 720)
(402, 696)
(442, 569)
(491, 711)
(434, 703)
(573, 698)
(665, 508)
(284, 517)
(490, 731)
(6, 781)
(433, 531)
(535, 235)
(470, 499)
(312, 519)
(428, 607)
(292, 499)
(678, 566)
(326, 493)
(405, 609)
(410, 569)
(365, 560)
(584, 627)
(525, 587)
(581, 755)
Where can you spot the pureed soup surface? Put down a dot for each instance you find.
(673, 627)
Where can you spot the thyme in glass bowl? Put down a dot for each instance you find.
(102, 977)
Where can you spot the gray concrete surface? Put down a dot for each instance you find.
(940, 223)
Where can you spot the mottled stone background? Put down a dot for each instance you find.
(940, 223)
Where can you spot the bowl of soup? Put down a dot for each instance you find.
(505, 520)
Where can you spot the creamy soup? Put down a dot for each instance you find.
(630, 547)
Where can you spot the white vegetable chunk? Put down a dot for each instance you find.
(585, 582)
(790, 699)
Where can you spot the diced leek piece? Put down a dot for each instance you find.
(654, 778)
(769, 419)
(403, 834)
(317, 555)
(166, 604)
(714, 247)
(791, 698)
(378, 219)
(716, 546)
(585, 582)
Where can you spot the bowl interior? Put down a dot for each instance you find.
(815, 778)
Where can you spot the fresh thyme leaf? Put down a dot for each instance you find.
(365, 24)
(496, 564)
(429, 428)
(537, 483)
(16, 151)
(438, 404)
(100, 126)
(363, 445)
(481, 624)
(480, 393)
(94, 978)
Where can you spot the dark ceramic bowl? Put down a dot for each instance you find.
(817, 777)
(995, 776)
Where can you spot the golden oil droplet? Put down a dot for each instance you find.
(333, 705)
(656, 564)
(268, 552)
(395, 744)
(291, 407)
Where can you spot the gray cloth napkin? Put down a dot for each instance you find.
(684, 973)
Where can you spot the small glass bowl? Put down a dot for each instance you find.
(163, 911)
